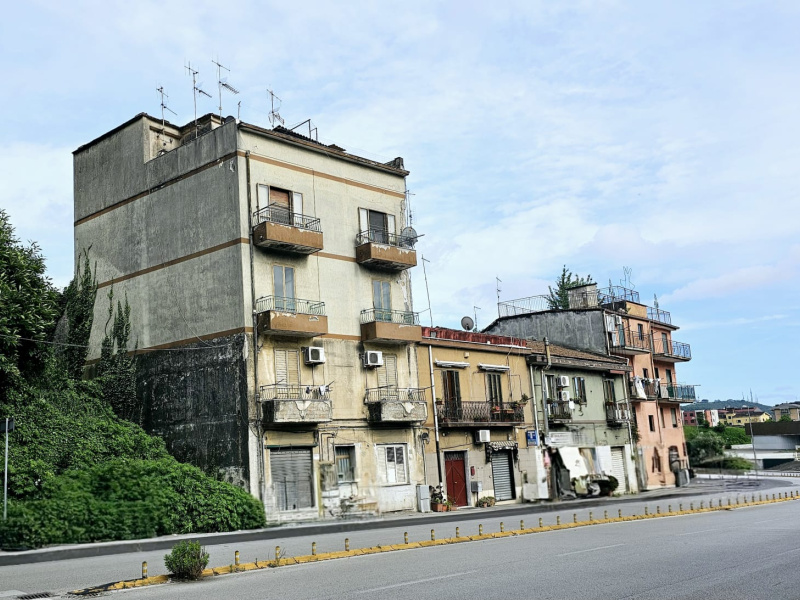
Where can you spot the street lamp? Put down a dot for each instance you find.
(752, 440)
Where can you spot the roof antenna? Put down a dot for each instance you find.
(196, 89)
(274, 116)
(499, 281)
(239, 111)
(222, 83)
(475, 310)
(164, 107)
(408, 208)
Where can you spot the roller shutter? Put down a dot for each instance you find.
(501, 474)
(292, 473)
(618, 468)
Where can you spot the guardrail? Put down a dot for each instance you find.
(275, 213)
(479, 412)
(294, 305)
(384, 236)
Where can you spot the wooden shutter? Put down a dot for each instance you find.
(287, 367)
(387, 374)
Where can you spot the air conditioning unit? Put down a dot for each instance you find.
(482, 436)
(373, 358)
(617, 320)
(313, 355)
(563, 396)
(562, 381)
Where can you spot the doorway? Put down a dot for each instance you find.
(456, 477)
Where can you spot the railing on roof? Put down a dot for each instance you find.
(616, 293)
(656, 314)
(276, 213)
(441, 333)
(524, 306)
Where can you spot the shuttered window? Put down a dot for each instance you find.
(494, 393)
(392, 464)
(387, 374)
(345, 461)
(287, 367)
(291, 471)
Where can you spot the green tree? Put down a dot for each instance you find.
(79, 298)
(28, 308)
(559, 296)
(785, 419)
(117, 368)
(705, 446)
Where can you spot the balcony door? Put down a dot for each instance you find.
(283, 204)
(283, 280)
(376, 225)
(451, 394)
(287, 368)
(382, 300)
(387, 377)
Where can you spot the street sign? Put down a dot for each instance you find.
(532, 437)
(10, 422)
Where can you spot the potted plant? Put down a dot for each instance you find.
(438, 503)
(485, 501)
(450, 505)
(495, 408)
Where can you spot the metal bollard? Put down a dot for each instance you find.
(480, 529)
(521, 524)
(646, 511)
(729, 501)
(313, 548)
(680, 507)
(669, 508)
(144, 569)
(347, 544)
(591, 517)
(702, 504)
(277, 553)
(658, 509)
(502, 528)
(691, 505)
(405, 537)
(458, 532)
(236, 558)
(773, 496)
(541, 522)
(619, 513)
(433, 535)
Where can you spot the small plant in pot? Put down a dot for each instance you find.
(438, 503)
(486, 501)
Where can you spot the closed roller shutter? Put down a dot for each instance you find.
(291, 478)
(501, 473)
(618, 468)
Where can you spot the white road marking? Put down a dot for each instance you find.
(590, 550)
(415, 582)
(702, 531)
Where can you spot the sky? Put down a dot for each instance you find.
(658, 137)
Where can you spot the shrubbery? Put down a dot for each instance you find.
(187, 560)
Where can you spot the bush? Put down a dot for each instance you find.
(607, 486)
(186, 560)
(486, 501)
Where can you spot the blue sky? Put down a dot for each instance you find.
(659, 136)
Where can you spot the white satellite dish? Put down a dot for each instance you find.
(467, 323)
(408, 237)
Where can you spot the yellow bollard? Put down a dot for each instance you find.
(605, 515)
(277, 553)
(658, 509)
(737, 500)
(480, 529)
(458, 533)
(591, 517)
(236, 558)
(313, 548)
(433, 535)
(574, 517)
(502, 528)
(646, 511)
(541, 523)
(691, 505)
(669, 508)
(144, 569)
(558, 520)
(347, 544)
(619, 513)
(680, 507)
(405, 537)
(521, 524)
(773, 496)
(760, 499)
(702, 504)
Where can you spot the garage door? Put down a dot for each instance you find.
(618, 468)
(291, 478)
(501, 473)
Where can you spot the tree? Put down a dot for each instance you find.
(559, 297)
(79, 312)
(785, 419)
(117, 370)
(28, 308)
(705, 446)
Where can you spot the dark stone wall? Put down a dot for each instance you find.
(195, 398)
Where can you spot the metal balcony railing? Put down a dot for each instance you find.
(400, 317)
(293, 305)
(672, 349)
(279, 391)
(616, 293)
(617, 412)
(559, 411)
(629, 339)
(681, 391)
(384, 236)
(479, 412)
(276, 213)
(656, 314)
(393, 394)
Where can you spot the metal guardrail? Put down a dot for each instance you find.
(400, 317)
(276, 213)
(293, 305)
(478, 412)
(559, 411)
(393, 394)
(681, 391)
(278, 391)
(627, 338)
(384, 236)
(656, 314)
(616, 293)
(673, 348)
(524, 306)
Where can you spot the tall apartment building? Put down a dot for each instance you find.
(267, 276)
(613, 321)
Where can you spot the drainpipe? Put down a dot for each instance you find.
(436, 423)
(261, 465)
(544, 382)
(533, 403)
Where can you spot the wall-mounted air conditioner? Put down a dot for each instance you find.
(562, 381)
(563, 396)
(313, 355)
(373, 358)
(482, 436)
(617, 320)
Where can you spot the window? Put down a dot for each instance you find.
(392, 464)
(657, 375)
(652, 421)
(661, 417)
(287, 367)
(283, 283)
(665, 343)
(387, 373)
(375, 226)
(283, 204)
(550, 380)
(451, 388)
(669, 377)
(640, 331)
(382, 300)
(579, 387)
(345, 463)
(646, 373)
(656, 462)
(674, 414)
(608, 390)
(494, 390)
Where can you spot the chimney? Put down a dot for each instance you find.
(584, 296)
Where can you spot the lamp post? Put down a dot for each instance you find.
(752, 440)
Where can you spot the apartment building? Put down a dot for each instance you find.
(613, 322)
(694, 417)
(267, 276)
(787, 409)
(739, 417)
(522, 422)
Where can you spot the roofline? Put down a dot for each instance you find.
(111, 132)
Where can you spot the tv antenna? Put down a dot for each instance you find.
(312, 129)
(410, 214)
(274, 115)
(475, 310)
(655, 301)
(222, 84)
(626, 281)
(196, 89)
(499, 281)
(164, 107)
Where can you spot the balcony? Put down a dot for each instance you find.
(559, 412)
(379, 249)
(276, 228)
(648, 389)
(390, 326)
(478, 414)
(658, 315)
(396, 405)
(617, 414)
(291, 317)
(671, 351)
(629, 343)
(616, 294)
(681, 392)
(295, 403)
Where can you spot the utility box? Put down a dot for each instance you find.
(476, 486)
(423, 499)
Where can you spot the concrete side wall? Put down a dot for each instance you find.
(776, 442)
(583, 330)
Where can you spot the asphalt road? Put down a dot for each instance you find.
(740, 554)
(59, 577)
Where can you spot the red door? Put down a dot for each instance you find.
(455, 476)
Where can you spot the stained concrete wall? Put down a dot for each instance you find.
(581, 329)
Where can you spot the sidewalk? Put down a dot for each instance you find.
(700, 486)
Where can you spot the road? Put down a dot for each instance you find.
(623, 541)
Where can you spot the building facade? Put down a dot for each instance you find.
(267, 276)
(788, 409)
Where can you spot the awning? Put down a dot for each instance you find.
(495, 368)
(449, 364)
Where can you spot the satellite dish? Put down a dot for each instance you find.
(408, 237)
(467, 323)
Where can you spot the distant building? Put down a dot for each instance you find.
(790, 409)
(739, 417)
(693, 417)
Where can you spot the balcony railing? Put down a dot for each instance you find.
(628, 340)
(278, 391)
(656, 314)
(672, 349)
(617, 413)
(276, 213)
(681, 391)
(524, 306)
(559, 411)
(292, 305)
(380, 315)
(616, 293)
(393, 394)
(383, 236)
(462, 413)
